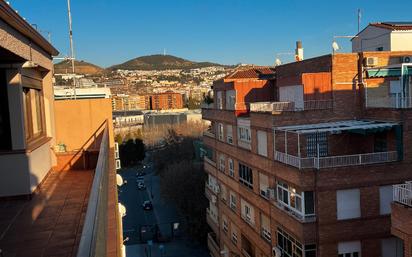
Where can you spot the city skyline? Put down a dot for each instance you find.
(202, 31)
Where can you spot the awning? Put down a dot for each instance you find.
(354, 126)
(388, 72)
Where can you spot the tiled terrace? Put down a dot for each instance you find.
(50, 224)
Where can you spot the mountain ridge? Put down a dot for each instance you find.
(160, 62)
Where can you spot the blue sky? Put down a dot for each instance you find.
(108, 32)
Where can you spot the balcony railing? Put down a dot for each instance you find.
(209, 161)
(212, 244)
(212, 216)
(389, 102)
(291, 106)
(402, 193)
(336, 161)
(94, 236)
(248, 220)
(209, 134)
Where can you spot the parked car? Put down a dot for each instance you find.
(141, 186)
(147, 205)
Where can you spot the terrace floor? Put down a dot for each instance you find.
(50, 224)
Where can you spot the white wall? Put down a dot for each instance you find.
(39, 164)
(401, 40)
(14, 178)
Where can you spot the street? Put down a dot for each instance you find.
(157, 232)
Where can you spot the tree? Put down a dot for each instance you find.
(118, 139)
(131, 152)
(183, 184)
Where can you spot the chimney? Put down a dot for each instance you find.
(299, 51)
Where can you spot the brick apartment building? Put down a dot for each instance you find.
(166, 101)
(305, 156)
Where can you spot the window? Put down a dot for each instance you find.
(234, 234)
(222, 164)
(264, 185)
(232, 201)
(223, 194)
(385, 199)
(315, 140)
(248, 213)
(265, 227)
(290, 247)
(244, 134)
(219, 100)
(5, 132)
(220, 131)
(229, 134)
(301, 203)
(225, 224)
(231, 168)
(262, 141)
(33, 113)
(230, 99)
(245, 175)
(392, 247)
(380, 142)
(349, 249)
(348, 204)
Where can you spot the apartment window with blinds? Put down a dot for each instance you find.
(231, 168)
(234, 234)
(220, 131)
(229, 134)
(225, 224)
(33, 113)
(232, 201)
(245, 175)
(264, 185)
(312, 142)
(223, 193)
(265, 227)
(222, 164)
(244, 134)
(247, 212)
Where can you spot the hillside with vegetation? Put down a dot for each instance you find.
(160, 62)
(81, 67)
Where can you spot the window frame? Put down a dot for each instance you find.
(246, 175)
(28, 99)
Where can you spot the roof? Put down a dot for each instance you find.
(338, 126)
(399, 25)
(256, 72)
(11, 17)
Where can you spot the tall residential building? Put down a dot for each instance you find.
(58, 193)
(166, 101)
(305, 156)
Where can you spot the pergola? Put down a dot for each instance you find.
(336, 127)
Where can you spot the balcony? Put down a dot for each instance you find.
(212, 220)
(73, 214)
(248, 219)
(213, 245)
(209, 161)
(329, 145)
(208, 133)
(291, 106)
(402, 194)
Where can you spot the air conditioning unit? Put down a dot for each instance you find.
(406, 59)
(118, 165)
(276, 252)
(371, 61)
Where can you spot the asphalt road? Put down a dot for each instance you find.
(141, 227)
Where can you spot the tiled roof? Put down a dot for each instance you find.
(251, 72)
(393, 25)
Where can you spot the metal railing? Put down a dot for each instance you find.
(93, 240)
(336, 161)
(209, 161)
(291, 106)
(402, 193)
(389, 102)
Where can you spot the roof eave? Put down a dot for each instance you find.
(8, 15)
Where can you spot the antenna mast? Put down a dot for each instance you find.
(71, 46)
(359, 19)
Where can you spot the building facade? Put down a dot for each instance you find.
(309, 170)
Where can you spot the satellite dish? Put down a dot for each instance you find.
(335, 46)
(122, 210)
(278, 62)
(119, 180)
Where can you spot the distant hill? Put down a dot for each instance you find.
(81, 67)
(160, 62)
